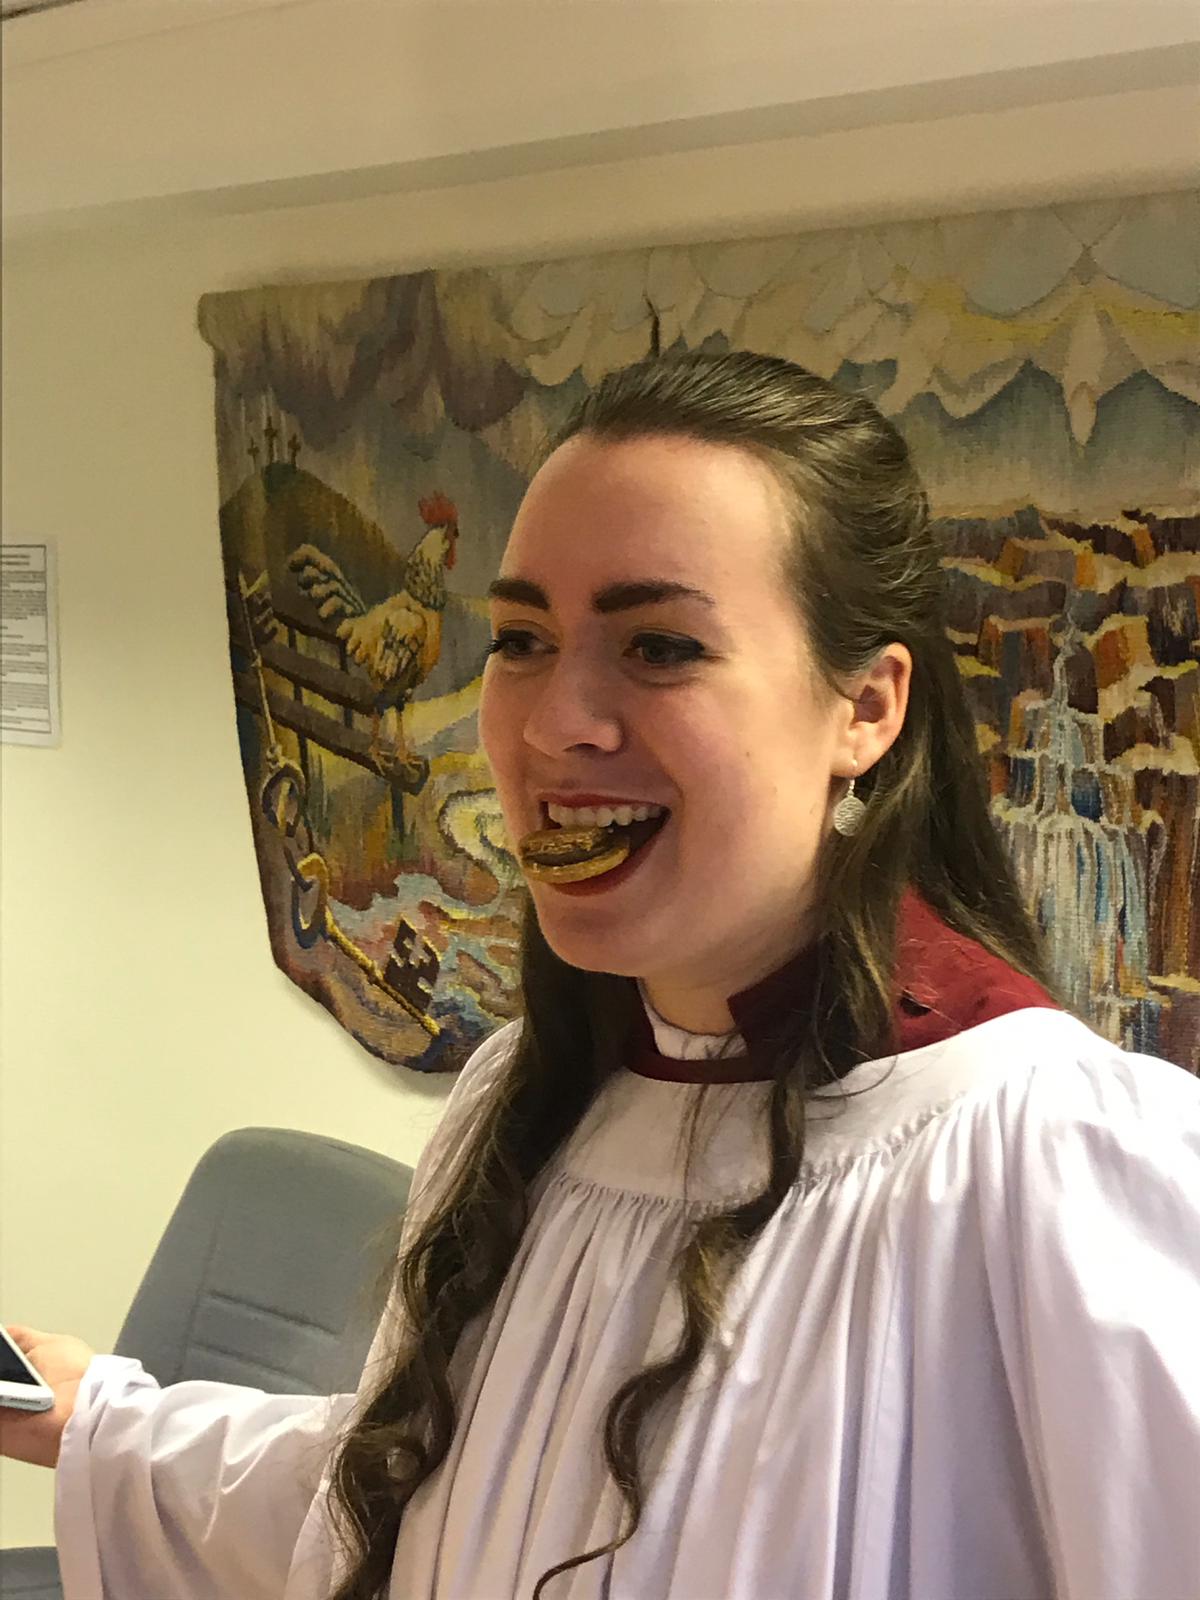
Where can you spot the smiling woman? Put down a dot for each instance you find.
(758, 1258)
(721, 601)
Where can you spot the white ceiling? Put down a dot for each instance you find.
(112, 104)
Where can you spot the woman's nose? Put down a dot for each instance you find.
(572, 710)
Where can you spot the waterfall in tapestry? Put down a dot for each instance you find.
(374, 439)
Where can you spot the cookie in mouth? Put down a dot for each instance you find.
(574, 854)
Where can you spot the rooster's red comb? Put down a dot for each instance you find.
(438, 511)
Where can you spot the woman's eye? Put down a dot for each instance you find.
(655, 650)
(515, 644)
(664, 650)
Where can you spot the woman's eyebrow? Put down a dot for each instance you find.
(613, 597)
(520, 591)
(646, 592)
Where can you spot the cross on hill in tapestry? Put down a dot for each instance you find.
(374, 440)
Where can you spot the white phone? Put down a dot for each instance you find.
(21, 1385)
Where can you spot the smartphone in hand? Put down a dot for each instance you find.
(21, 1385)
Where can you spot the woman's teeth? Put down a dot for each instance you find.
(602, 816)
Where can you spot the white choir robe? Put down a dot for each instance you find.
(962, 1362)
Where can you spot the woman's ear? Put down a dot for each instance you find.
(878, 700)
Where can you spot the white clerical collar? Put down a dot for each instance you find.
(680, 1045)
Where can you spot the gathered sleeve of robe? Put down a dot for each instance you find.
(192, 1492)
(199, 1491)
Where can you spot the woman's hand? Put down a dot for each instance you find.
(62, 1361)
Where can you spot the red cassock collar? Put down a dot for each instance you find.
(944, 983)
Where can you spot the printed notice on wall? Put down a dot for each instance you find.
(29, 705)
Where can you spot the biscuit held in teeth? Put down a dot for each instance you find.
(570, 855)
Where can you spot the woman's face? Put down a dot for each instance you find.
(650, 653)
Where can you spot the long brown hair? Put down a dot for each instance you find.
(864, 567)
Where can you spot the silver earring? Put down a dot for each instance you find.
(849, 812)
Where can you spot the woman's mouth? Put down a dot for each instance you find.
(583, 844)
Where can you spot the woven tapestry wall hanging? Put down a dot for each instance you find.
(374, 440)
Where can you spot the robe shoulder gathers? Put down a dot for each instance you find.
(961, 1362)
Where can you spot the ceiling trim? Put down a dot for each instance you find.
(1099, 148)
(56, 29)
(11, 9)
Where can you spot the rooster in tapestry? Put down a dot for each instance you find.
(399, 640)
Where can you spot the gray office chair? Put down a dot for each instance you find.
(259, 1279)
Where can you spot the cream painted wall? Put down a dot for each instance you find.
(141, 1014)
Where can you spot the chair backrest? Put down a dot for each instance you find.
(261, 1275)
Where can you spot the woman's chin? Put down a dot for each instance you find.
(592, 950)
